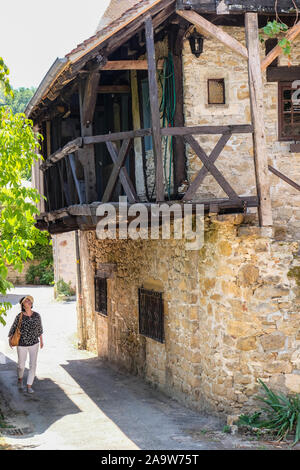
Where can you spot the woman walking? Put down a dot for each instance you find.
(31, 336)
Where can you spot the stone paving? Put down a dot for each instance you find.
(82, 403)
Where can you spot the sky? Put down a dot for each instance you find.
(33, 33)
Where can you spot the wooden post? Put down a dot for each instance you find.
(154, 107)
(38, 177)
(257, 112)
(87, 103)
(138, 150)
(176, 44)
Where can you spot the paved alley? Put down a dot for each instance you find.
(81, 403)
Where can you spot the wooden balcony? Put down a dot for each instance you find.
(69, 209)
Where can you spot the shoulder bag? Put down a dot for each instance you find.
(14, 341)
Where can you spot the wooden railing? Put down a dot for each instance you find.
(119, 157)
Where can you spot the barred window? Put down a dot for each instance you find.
(101, 295)
(151, 314)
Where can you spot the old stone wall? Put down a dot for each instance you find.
(64, 257)
(236, 160)
(231, 312)
(19, 279)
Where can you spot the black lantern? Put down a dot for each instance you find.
(196, 43)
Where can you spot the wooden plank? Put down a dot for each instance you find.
(200, 130)
(77, 185)
(61, 178)
(176, 45)
(154, 107)
(295, 148)
(189, 195)
(113, 89)
(277, 50)
(138, 148)
(90, 98)
(214, 31)
(130, 65)
(257, 112)
(213, 170)
(283, 74)
(86, 155)
(70, 183)
(97, 139)
(70, 147)
(284, 178)
(124, 177)
(116, 170)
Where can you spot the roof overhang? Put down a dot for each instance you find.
(64, 70)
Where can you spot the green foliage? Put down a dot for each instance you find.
(4, 80)
(63, 289)
(249, 420)
(273, 28)
(281, 414)
(40, 274)
(21, 97)
(43, 272)
(226, 429)
(42, 250)
(277, 29)
(18, 145)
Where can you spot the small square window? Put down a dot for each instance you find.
(101, 295)
(216, 91)
(151, 314)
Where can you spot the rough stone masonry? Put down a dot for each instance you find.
(231, 312)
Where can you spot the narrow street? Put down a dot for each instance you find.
(81, 403)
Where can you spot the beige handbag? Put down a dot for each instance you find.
(14, 340)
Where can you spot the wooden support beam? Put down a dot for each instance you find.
(283, 73)
(113, 89)
(257, 112)
(130, 65)
(216, 32)
(176, 44)
(116, 170)
(77, 185)
(212, 169)
(123, 175)
(90, 98)
(138, 148)
(190, 194)
(277, 50)
(284, 178)
(70, 147)
(86, 155)
(154, 107)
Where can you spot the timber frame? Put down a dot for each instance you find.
(71, 201)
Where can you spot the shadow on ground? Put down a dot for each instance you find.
(48, 404)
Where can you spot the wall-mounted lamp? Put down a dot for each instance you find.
(196, 42)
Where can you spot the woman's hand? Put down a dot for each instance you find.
(41, 342)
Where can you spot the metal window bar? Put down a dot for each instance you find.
(151, 314)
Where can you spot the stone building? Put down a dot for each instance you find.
(205, 324)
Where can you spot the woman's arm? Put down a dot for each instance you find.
(41, 342)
